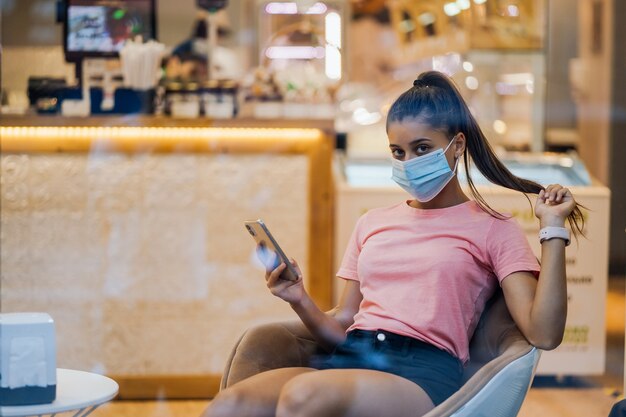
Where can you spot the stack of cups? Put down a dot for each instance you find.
(141, 64)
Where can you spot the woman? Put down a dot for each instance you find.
(418, 275)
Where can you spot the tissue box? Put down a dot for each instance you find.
(28, 359)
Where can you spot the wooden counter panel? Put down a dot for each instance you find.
(132, 239)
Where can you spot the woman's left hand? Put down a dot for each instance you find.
(553, 205)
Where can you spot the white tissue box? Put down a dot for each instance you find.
(28, 359)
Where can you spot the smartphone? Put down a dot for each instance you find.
(269, 252)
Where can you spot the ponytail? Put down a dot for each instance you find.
(436, 101)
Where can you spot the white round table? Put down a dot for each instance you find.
(76, 390)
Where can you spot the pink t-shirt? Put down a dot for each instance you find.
(427, 274)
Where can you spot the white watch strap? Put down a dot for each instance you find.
(552, 232)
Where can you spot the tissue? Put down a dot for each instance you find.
(28, 359)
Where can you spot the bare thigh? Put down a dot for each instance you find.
(256, 396)
(352, 393)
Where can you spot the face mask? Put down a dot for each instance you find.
(424, 176)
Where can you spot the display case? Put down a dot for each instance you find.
(301, 48)
(292, 32)
(429, 28)
(495, 51)
(504, 91)
(365, 184)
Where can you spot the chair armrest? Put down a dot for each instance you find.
(498, 352)
(497, 389)
(268, 346)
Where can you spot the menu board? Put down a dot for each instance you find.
(102, 27)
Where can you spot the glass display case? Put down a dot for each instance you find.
(547, 168)
(544, 168)
(494, 50)
(426, 28)
(303, 32)
(505, 92)
(301, 50)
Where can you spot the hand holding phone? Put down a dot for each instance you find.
(268, 250)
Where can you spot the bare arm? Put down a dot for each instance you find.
(539, 307)
(328, 329)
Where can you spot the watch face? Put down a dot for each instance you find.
(212, 5)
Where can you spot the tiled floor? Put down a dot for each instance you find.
(569, 397)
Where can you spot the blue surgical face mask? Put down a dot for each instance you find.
(424, 176)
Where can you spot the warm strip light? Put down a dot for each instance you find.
(156, 133)
(295, 52)
(292, 8)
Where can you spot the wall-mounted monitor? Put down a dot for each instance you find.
(99, 28)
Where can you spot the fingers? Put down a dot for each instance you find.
(541, 197)
(554, 194)
(272, 276)
(296, 267)
(561, 194)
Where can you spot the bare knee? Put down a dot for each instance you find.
(308, 395)
(228, 403)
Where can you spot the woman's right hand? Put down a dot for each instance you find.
(290, 291)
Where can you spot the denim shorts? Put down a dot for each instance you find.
(436, 371)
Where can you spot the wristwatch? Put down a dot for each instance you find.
(552, 232)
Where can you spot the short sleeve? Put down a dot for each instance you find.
(349, 263)
(509, 250)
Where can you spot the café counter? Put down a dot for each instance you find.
(129, 232)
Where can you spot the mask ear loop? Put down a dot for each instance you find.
(456, 164)
(456, 158)
(449, 144)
